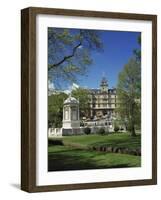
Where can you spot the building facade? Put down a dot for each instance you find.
(103, 102)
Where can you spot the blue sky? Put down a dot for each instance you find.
(118, 48)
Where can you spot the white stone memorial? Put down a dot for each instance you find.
(71, 113)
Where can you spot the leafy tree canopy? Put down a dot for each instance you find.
(55, 109)
(129, 94)
(83, 96)
(69, 52)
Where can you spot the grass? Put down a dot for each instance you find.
(67, 158)
(73, 155)
(112, 140)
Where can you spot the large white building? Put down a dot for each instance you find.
(103, 101)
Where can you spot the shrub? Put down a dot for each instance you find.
(87, 130)
(116, 128)
(129, 128)
(101, 131)
(55, 142)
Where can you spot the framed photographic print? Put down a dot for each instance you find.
(89, 99)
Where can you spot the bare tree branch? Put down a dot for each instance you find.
(66, 57)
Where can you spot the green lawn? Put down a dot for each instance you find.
(73, 155)
(113, 140)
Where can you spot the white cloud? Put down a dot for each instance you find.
(51, 85)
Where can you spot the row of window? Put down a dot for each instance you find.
(103, 105)
(103, 96)
(101, 101)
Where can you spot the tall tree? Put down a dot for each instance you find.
(128, 91)
(55, 109)
(69, 52)
(83, 96)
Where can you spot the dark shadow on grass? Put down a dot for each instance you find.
(73, 161)
(55, 142)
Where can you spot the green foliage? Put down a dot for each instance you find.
(118, 122)
(69, 52)
(116, 128)
(101, 131)
(55, 142)
(129, 128)
(129, 94)
(83, 96)
(55, 109)
(87, 130)
(137, 52)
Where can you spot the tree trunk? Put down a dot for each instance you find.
(133, 131)
(133, 119)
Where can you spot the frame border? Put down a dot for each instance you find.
(28, 98)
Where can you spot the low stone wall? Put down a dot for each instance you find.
(96, 129)
(55, 132)
(72, 131)
(122, 150)
(59, 132)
